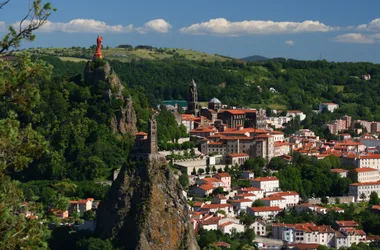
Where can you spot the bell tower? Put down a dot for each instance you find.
(152, 134)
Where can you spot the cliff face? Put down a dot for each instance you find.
(124, 121)
(145, 210)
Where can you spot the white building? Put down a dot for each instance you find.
(240, 205)
(295, 113)
(226, 179)
(249, 196)
(368, 161)
(227, 225)
(212, 208)
(274, 202)
(362, 191)
(264, 212)
(268, 184)
(367, 174)
(304, 233)
(80, 206)
(291, 198)
(259, 227)
(329, 106)
(252, 190)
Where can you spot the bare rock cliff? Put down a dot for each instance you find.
(124, 121)
(145, 210)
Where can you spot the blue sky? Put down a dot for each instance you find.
(340, 30)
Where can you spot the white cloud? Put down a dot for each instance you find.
(356, 38)
(157, 25)
(374, 25)
(81, 25)
(2, 26)
(222, 26)
(290, 42)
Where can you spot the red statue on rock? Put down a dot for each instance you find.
(98, 53)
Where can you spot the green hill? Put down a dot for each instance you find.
(77, 54)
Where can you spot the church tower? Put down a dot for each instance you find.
(192, 99)
(261, 118)
(152, 134)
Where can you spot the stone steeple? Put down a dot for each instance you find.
(192, 99)
(152, 134)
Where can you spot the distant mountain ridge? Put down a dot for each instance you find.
(258, 58)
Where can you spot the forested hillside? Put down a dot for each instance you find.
(287, 84)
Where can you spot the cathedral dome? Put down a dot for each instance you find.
(215, 100)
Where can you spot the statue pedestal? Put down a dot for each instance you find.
(98, 55)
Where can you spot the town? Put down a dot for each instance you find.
(229, 137)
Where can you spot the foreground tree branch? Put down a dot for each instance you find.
(35, 18)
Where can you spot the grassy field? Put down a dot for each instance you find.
(72, 59)
(124, 55)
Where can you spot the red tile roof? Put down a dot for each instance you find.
(235, 112)
(238, 155)
(141, 133)
(347, 223)
(269, 178)
(361, 170)
(224, 174)
(339, 170)
(366, 183)
(265, 209)
(206, 187)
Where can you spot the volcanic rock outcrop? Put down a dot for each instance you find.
(146, 210)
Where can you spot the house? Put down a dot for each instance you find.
(291, 198)
(227, 225)
(240, 205)
(311, 207)
(222, 244)
(275, 201)
(264, 212)
(213, 208)
(250, 196)
(342, 224)
(197, 206)
(341, 172)
(252, 190)
(367, 174)
(247, 174)
(80, 206)
(219, 199)
(295, 113)
(268, 184)
(211, 181)
(329, 106)
(259, 227)
(226, 179)
(202, 190)
(61, 214)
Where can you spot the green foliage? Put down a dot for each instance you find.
(167, 127)
(258, 203)
(256, 165)
(374, 199)
(184, 180)
(37, 15)
(312, 179)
